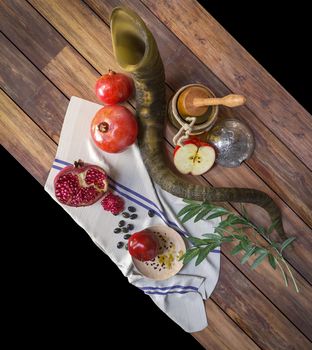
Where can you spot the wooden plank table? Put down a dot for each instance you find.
(49, 52)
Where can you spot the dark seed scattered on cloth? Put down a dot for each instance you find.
(151, 213)
(127, 236)
(120, 245)
(125, 230)
(131, 209)
(117, 230)
(125, 214)
(133, 216)
(121, 223)
(130, 227)
(126, 246)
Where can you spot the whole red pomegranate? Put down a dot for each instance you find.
(143, 245)
(113, 88)
(114, 128)
(80, 184)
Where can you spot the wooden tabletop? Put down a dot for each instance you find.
(54, 49)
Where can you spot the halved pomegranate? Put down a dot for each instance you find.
(80, 184)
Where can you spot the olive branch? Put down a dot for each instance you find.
(233, 229)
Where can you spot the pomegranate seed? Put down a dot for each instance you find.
(96, 177)
(113, 203)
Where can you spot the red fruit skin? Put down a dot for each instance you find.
(122, 129)
(143, 245)
(76, 170)
(197, 142)
(113, 88)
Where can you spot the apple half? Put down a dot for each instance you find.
(194, 157)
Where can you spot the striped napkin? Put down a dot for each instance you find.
(181, 296)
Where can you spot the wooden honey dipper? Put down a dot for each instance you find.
(194, 101)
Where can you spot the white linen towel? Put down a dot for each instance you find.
(181, 296)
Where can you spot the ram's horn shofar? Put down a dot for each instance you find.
(136, 52)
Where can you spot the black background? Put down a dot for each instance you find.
(58, 286)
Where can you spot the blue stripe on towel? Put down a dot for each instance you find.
(62, 162)
(171, 287)
(170, 292)
(56, 167)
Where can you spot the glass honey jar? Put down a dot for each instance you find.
(207, 116)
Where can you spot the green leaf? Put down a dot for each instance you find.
(239, 237)
(233, 219)
(190, 214)
(212, 236)
(190, 254)
(203, 254)
(202, 213)
(259, 259)
(185, 209)
(286, 243)
(227, 239)
(223, 224)
(245, 243)
(219, 230)
(272, 226)
(196, 241)
(236, 249)
(214, 245)
(274, 245)
(272, 260)
(260, 250)
(217, 212)
(212, 241)
(248, 254)
(283, 273)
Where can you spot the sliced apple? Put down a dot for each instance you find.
(194, 157)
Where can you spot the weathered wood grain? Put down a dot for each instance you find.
(251, 310)
(31, 89)
(47, 44)
(31, 147)
(297, 307)
(213, 337)
(78, 76)
(272, 104)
